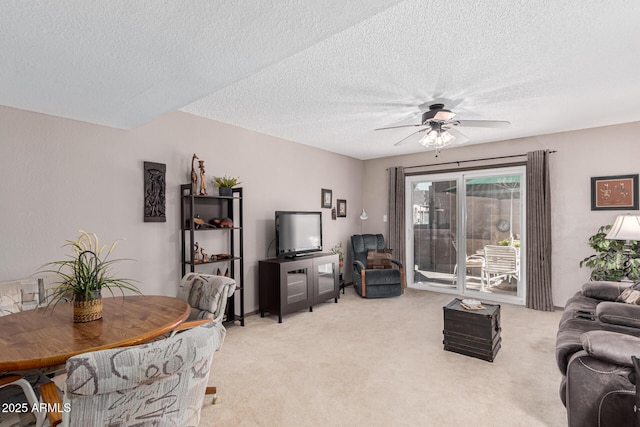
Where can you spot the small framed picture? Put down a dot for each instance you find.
(327, 198)
(342, 207)
(618, 192)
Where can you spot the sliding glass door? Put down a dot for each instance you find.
(471, 241)
(433, 224)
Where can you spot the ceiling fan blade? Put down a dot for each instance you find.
(396, 127)
(482, 123)
(406, 138)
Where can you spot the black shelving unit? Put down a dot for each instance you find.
(206, 208)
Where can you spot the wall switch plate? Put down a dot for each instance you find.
(384, 218)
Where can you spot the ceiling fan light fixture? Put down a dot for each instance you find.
(447, 138)
(437, 139)
(439, 123)
(444, 115)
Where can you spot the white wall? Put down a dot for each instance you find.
(58, 176)
(612, 150)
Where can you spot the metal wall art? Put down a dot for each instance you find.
(154, 192)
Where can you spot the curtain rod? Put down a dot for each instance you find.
(474, 160)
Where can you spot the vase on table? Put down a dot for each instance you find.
(87, 308)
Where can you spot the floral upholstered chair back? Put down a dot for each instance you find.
(206, 294)
(160, 383)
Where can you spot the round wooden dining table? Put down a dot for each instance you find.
(47, 337)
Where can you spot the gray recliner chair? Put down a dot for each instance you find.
(374, 283)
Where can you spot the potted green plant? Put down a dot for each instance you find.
(611, 261)
(509, 242)
(224, 183)
(337, 249)
(83, 276)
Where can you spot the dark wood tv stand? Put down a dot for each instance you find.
(291, 284)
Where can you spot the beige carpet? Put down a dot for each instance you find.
(381, 363)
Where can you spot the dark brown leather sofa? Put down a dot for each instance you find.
(597, 336)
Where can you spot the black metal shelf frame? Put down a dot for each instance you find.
(194, 204)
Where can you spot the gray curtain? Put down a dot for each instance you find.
(538, 232)
(396, 213)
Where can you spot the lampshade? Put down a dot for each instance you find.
(437, 137)
(364, 216)
(626, 227)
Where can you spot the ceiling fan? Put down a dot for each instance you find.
(438, 126)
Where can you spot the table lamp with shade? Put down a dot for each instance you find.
(627, 228)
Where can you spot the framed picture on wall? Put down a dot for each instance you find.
(342, 207)
(619, 192)
(326, 198)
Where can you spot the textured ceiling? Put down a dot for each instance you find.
(327, 73)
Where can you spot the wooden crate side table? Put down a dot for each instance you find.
(474, 333)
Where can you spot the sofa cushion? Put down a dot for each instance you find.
(379, 258)
(630, 296)
(603, 290)
(613, 347)
(383, 277)
(621, 314)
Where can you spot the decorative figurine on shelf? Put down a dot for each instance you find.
(203, 181)
(196, 254)
(199, 223)
(194, 176)
(205, 257)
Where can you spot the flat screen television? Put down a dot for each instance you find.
(298, 233)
